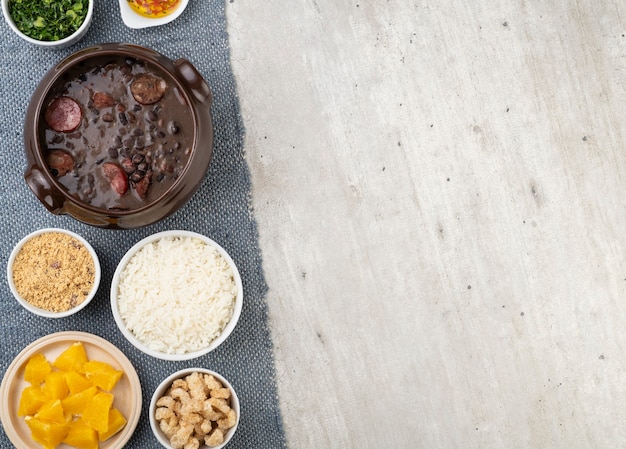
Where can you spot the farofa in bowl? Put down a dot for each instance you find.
(53, 272)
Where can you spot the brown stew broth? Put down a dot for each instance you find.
(149, 144)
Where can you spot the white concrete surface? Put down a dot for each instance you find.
(440, 192)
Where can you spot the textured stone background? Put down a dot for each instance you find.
(439, 191)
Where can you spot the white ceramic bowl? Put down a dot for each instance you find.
(162, 389)
(62, 43)
(156, 321)
(132, 19)
(39, 311)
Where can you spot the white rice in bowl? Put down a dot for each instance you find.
(176, 294)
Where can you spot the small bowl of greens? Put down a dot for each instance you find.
(49, 23)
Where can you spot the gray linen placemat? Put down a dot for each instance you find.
(220, 210)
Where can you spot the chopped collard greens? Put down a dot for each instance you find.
(48, 20)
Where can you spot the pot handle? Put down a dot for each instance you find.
(194, 80)
(47, 194)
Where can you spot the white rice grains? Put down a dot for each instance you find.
(176, 294)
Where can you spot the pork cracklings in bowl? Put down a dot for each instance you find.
(194, 407)
(118, 136)
(176, 295)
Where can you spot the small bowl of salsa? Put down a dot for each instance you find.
(149, 13)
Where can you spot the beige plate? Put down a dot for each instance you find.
(127, 391)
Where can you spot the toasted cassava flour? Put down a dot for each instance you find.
(176, 294)
(54, 271)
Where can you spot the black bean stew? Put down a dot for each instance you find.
(117, 133)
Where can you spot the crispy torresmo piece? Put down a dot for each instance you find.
(215, 438)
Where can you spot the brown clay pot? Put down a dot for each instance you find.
(55, 197)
